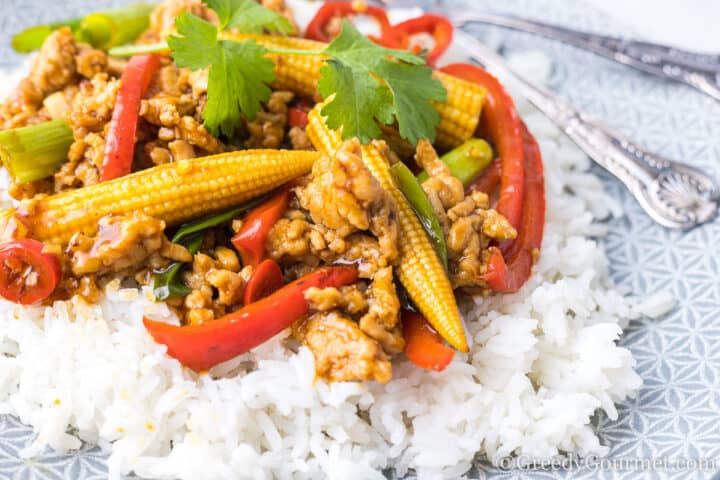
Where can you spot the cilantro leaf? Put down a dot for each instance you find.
(410, 84)
(249, 16)
(237, 82)
(197, 48)
(370, 87)
(238, 77)
(362, 100)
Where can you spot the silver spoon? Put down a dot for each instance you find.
(674, 194)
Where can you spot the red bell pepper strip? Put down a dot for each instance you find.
(120, 145)
(400, 35)
(297, 117)
(265, 279)
(501, 123)
(424, 347)
(201, 347)
(250, 240)
(27, 274)
(488, 180)
(317, 29)
(507, 274)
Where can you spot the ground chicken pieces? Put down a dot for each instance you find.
(91, 111)
(174, 108)
(295, 242)
(268, 128)
(382, 321)
(468, 222)
(162, 18)
(122, 242)
(217, 284)
(349, 298)
(442, 188)
(344, 196)
(342, 351)
(54, 67)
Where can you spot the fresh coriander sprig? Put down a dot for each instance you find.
(239, 73)
(369, 84)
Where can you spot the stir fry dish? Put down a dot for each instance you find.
(257, 178)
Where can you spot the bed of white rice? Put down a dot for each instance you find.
(543, 362)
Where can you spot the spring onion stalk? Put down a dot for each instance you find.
(118, 26)
(131, 50)
(467, 161)
(35, 152)
(101, 29)
(32, 38)
(410, 187)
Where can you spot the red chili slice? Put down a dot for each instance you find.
(424, 347)
(400, 35)
(265, 279)
(201, 347)
(250, 240)
(317, 29)
(507, 274)
(120, 145)
(27, 274)
(297, 117)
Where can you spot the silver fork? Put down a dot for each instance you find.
(674, 194)
(699, 70)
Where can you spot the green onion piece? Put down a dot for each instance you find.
(101, 29)
(410, 187)
(467, 161)
(32, 38)
(203, 224)
(130, 50)
(35, 152)
(116, 27)
(167, 282)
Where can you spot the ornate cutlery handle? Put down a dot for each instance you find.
(698, 70)
(674, 194)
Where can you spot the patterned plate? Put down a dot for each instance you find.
(675, 416)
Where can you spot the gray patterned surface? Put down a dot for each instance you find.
(676, 413)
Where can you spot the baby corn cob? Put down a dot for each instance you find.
(173, 192)
(459, 116)
(419, 268)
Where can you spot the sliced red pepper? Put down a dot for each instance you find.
(297, 117)
(120, 145)
(424, 347)
(265, 279)
(250, 240)
(27, 274)
(201, 347)
(501, 123)
(439, 27)
(488, 180)
(507, 274)
(317, 29)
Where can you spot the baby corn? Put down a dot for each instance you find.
(459, 115)
(173, 192)
(419, 268)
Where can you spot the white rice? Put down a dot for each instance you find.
(543, 362)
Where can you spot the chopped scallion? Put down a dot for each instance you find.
(37, 151)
